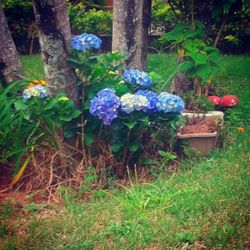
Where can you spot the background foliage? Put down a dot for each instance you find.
(89, 16)
(94, 21)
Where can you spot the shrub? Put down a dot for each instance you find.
(91, 21)
(198, 59)
(20, 17)
(122, 113)
(30, 120)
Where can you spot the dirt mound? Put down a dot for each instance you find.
(200, 125)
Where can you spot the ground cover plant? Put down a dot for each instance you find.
(202, 204)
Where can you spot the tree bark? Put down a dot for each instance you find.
(131, 20)
(181, 83)
(54, 37)
(10, 65)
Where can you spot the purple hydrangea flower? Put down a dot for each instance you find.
(169, 103)
(151, 97)
(137, 77)
(36, 91)
(86, 42)
(105, 105)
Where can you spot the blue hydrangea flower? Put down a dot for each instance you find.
(36, 91)
(85, 42)
(137, 77)
(105, 106)
(133, 102)
(151, 97)
(169, 103)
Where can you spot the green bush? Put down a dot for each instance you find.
(131, 136)
(20, 17)
(199, 60)
(91, 21)
(27, 124)
(162, 16)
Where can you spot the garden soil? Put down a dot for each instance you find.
(200, 125)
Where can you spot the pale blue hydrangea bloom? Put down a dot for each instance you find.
(133, 102)
(36, 91)
(169, 103)
(86, 42)
(137, 77)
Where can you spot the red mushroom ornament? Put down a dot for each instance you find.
(229, 101)
(215, 99)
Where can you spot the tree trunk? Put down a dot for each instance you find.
(181, 83)
(131, 20)
(10, 66)
(54, 37)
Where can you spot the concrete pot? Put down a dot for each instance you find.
(201, 143)
(215, 114)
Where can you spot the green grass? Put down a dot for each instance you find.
(162, 64)
(32, 67)
(204, 204)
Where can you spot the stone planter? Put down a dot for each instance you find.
(215, 114)
(202, 143)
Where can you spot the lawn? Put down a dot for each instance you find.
(204, 204)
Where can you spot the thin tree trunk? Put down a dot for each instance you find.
(192, 15)
(10, 65)
(131, 20)
(181, 83)
(54, 37)
(218, 37)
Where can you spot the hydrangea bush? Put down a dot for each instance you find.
(121, 106)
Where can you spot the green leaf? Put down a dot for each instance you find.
(65, 118)
(144, 119)
(27, 115)
(185, 66)
(199, 58)
(162, 153)
(68, 132)
(130, 124)
(121, 89)
(214, 57)
(89, 138)
(75, 62)
(76, 113)
(193, 45)
(20, 105)
(134, 147)
(51, 104)
(204, 72)
(166, 155)
(98, 71)
(116, 147)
